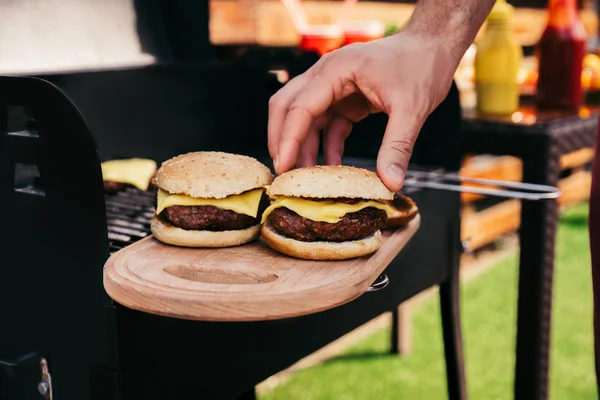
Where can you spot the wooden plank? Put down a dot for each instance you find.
(503, 168)
(506, 168)
(404, 329)
(232, 21)
(487, 226)
(575, 188)
(577, 158)
(242, 283)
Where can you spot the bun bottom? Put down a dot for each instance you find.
(170, 234)
(320, 250)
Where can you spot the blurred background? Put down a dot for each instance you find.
(535, 63)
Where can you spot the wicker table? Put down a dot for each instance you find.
(539, 139)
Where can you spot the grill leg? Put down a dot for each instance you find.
(451, 325)
(401, 330)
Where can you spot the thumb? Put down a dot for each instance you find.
(397, 146)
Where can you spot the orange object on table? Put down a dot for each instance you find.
(590, 76)
(363, 31)
(321, 38)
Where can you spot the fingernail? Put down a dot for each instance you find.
(396, 172)
(275, 163)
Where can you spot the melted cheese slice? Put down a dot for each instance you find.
(323, 211)
(136, 171)
(245, 203)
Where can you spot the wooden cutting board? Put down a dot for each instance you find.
(246, 283)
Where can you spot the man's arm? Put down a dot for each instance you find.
(406, 75)
(453, 22)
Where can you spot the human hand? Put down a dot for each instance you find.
(406, 75)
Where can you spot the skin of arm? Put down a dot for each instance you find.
(406, 75)
(454, 22)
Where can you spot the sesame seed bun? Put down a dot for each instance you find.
(170, 234)
(330, 181)
(328, 251)
(211, 174)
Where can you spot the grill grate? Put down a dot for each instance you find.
(128, 215)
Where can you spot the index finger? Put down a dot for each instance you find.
(278, 107)
(313, 101)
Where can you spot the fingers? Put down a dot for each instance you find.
(309, 149)
(348, 111)
(397, 146)
(337, 133)
(278, 108)
(312, 102)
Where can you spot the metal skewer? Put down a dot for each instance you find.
(525, 191)
(434, 180)
(380, 283)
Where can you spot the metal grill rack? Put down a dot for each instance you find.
(128, 216)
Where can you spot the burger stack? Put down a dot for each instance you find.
(216, 199)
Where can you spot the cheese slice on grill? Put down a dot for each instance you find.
(323, 211)
(135, 171)
(246, 203)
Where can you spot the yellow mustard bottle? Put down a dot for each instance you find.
(497, 60)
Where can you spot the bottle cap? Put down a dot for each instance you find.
(501, 12)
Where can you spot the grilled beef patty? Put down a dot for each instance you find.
(211, 218)
(353, 226)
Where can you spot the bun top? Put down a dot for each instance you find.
(211, 174)
(330, 182)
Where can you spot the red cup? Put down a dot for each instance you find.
(362, 31)
(321, 38)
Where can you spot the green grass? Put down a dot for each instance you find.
(366, 371)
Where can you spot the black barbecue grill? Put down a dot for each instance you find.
(60, 228)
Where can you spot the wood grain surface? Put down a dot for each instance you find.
(245, 283)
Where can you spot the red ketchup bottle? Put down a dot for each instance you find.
(561, 50)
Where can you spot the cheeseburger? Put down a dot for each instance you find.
(210, 199)
(326, 213)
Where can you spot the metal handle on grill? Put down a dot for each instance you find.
(525, 191)
(20, 371)
(381, 282)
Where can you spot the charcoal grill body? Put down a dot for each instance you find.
(53, 302)
(54, 305)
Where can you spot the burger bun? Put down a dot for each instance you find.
(211, 174)
(330, 181)
(169, 234)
